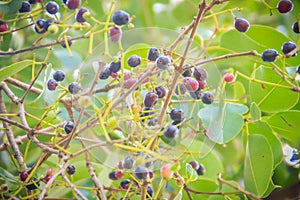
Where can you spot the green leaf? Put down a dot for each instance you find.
(258, 164)
(190, 173)
(223, 123)
(255, 112)
(270, 98)
(179, 195)
(287, 125)
(13, 69)
(10, 7)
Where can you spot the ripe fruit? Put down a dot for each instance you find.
(150, 191)
(194, 164)
(153, 54)
(288, 47)
(160, 91)
(120, 17)
(296, 27)
(134, 61)
(59, 75)
(202, 84)
(196, 95)
(73, 4)
(180, 89)
(52, 7)
(141, 172)
(150, 99)
(33, 185)
(285, 6)
(79, 16)
(125, 184)
(115, 66)
(166, 172)
(115, 175)
(74, 88)
(207, 98)
(171, 132)
(115, 34)
(200, 74)
(68, 127)
(47, 178)
(26, 7)
(3, 27)
(35, 1)
(176, 114)
(201, 170)
(228, 77)
(71, 169)
(187, 73)
(52, 84)
(63, 43)
(191, 84)
(105, 73)
(40, 26)
(49, 172)
(129, 83)
(269, 55)
(128, 162)
(24, 175)
(163, 62)
(241, 25)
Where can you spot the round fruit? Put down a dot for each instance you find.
(52, 84)
(202, 85)
(127, 75)
(200, 74)
(74, 88)
(24, 175)
(73, 4)
(194, 164)
(63, 43)
(33, 185)
(52, 7)
(150, 191)
(128, 162)
(150, 99)
(269, 55)
(177, 123)
(241, 25)
(152, 122)
(228, 77)
(71, 169)
(180, 89)
(125, 184)
(153, 54)
(176, 114)
(191, 84)
(196, 95)
(47, 178)
(59, 75)
(134, 61)
(3, 27)
(129, 83)
(115, 66)
(207, 98)
(166, 172)
(201, 170)
(120, 17)
(141, 173)
(160, 91)
(285, 6)
(115, 175)
(69, 127)
(187, 73)
(163, 62)
(53, 29)
(115, 34)
(171, 132)
(40, 26)
(49, 172)
(105, 73)
(35, 1)
(79, 16)
(288, 47)
(296, 27)
(26, 7)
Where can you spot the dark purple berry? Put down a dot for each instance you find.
(115, 66)
(152, 122)
(59, 75)
(52, 84)
(63, 43)
(150, 192)
(207, 98)
(105, 73)
(163, 62)
(288, 47)
(171, 132)
(194, 164)
(26, 7)
(35, 1)
(141, 173)
(40, 26)
(120, 17)
(74, 88)
(69, 127)
(134, 61)
(180, 89)
(65, 1)
(196, 95)
(285, 6)
(79, 16)
(241, 25)
(128, 162)
(176, 114)
(125, 184)
(153, 54)
(201, 170)
(71, 169)
(150, 99)
(115, 34)
(115, 175)
(161, 91)
(35, 183)
(177, 123)
(73, 4)
(200, 74)
(187, 73)
(52, 7)
(269, 55)
(24, 175)
(296, 27)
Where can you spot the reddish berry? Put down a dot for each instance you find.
(194, 164)
(285, 6)
(202, 84)
(23, 175)
(115, 175)
(3, 27)
(228, 77)
(166, 172)
(49, 172)
(127, 75)
(73, 4)
(241, 25)
(115, 34)
(47, 178)
(151, 174)
(191, 84)
(129, 83)
(114, 75)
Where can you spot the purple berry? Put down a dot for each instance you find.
(201, 170)
(296, 27)
(125, 184)
(128, 162)
(74, 88)
(150, 99)
(73, 4)
(288, 47)
(153, 54)
(160, 91)
(63, 44)
(52, 84)
(105, 73)
(269, 55)
(40, 26)
(33, 185)
(24, 175)
(26, 7)
(115, 175)
(241, 25)
(177, 114)
(115, 34)
(79, 16)
(141, 173)
(59, 75)
(71, 169)
(285, 6)
(163, 62)
(200, 74)
(134, 61)
(171, 132)
(68, 127)
(120, 17)
(115, 66)
(207, 98)
(52, 7)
